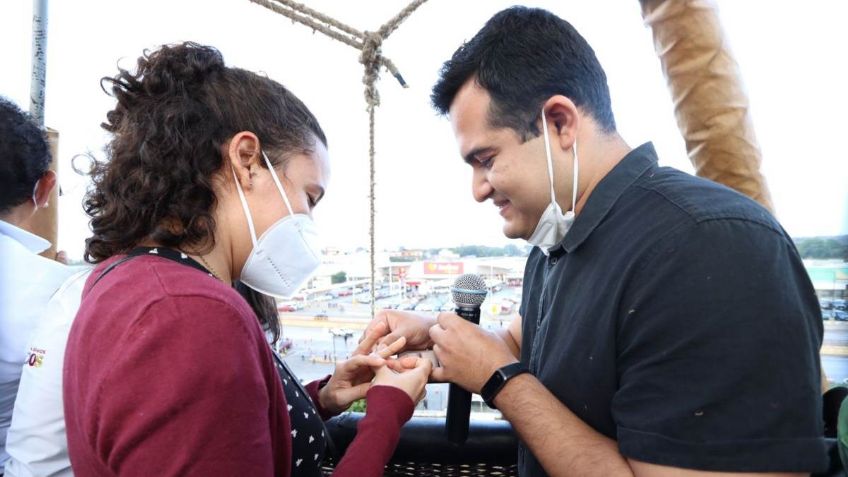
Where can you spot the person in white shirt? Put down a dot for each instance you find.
(27, 280)
(37, 443)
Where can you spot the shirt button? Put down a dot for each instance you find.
(554, 260)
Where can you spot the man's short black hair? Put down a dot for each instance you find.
(24, 155)
(522, 57)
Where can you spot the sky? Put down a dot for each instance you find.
(791, 56)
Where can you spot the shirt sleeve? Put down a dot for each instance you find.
(313, 389)
(718, 354)
(377, 434)
(187, 396)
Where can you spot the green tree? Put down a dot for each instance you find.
(823, 247)
(339, 277)
(358, 406)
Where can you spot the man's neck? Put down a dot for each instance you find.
(20, 217)
(603, 153)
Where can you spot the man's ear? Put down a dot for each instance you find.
(563, 120)
(243, 154)
(43, 189)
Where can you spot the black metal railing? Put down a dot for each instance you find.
(424, 451)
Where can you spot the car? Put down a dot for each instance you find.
(827, 315)
(321, 316)
(840, 315)
(286, 308)
(424, 307)
(839, 305)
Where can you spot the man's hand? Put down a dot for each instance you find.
(468, 354)
(412, 326)
(352, 378)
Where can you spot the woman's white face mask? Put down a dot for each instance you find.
(553, 225)
(286, 255)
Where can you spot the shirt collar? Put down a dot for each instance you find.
(605, 195)
(32, 242)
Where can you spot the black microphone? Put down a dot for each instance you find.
(468, 292)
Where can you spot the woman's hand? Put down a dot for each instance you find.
(352, 378)
(411, 380)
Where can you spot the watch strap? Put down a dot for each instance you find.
(499, 379)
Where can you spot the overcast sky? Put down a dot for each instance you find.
(792, 57)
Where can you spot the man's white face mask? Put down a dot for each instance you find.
(553, 225)
(286, 255)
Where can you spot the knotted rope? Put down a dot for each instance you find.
(372, 59)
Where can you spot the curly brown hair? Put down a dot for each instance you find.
(172, 117)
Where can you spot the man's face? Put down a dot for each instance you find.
(511, 173)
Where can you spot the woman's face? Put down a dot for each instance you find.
(304, 178)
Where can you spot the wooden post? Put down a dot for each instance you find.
(45, 223)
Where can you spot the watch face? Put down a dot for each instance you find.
(499, 379)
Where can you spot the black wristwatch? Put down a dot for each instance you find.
(499, 379)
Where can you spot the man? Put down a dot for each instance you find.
(667, 322)
(27, 280)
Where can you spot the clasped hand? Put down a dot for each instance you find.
(368, 367)
(468, 355)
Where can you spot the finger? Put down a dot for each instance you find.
(349, 395)
(389, 338)
(62, 257)
(395, 365)
(363, 361)
(371, 337)
(393, 348)
(447, 319)
(407, 362)
(437, 333)
(380, 317)
(438, 375)
(423, 367)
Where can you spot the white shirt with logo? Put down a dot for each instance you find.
(27, 281)
(37, 442)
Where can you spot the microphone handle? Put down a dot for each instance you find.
(459, 400)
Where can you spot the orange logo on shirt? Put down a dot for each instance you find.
(36, 357)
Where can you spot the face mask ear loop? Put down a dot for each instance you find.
(245, 208)
(548, 154)
(277, 181)
(574, 184)
(34, 197)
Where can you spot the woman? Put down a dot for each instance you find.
(213, 174)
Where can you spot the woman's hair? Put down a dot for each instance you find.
(265, 308)
(172, 117)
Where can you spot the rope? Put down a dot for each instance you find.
(372, 59)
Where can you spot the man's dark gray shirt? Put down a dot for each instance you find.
(677, 318)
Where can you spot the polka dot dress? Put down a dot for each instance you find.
(307, 430)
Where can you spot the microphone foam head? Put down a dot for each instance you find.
(469, 290)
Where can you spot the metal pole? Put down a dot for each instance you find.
(39, 60)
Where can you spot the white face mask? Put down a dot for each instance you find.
(286, 255)
(553, 225)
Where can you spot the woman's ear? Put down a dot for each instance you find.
(243, 154)
(563, 119)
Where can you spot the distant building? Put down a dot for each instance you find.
(829, 277)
